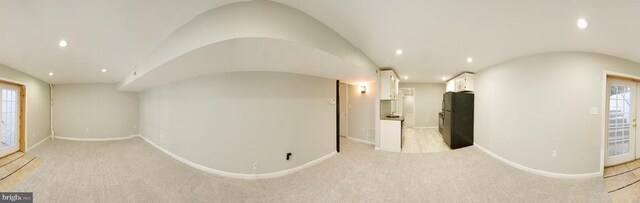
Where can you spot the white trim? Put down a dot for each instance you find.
(602, 124)
(537, 171)
(13, 81)
(52, 133)
(376, 113)
(362, 141)
(240, 175)
(426, 127)
(35, 145)
(346, 101)
(414, 104)
(603, 111)
(96, 139)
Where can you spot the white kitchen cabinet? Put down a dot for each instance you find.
(451, 86)
(461, 83)
(391, 135)
(389, 83)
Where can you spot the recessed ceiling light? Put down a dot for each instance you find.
(63, 43)
(104, 70)
(399, 52)
(50, 74)
(444, 78)
(469, 60)
(406, 77)
(582, 23)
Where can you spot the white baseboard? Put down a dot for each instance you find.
(36, 144)
(96, 139)
(425, 127)
(362, 141)
(537, 171)
(240, 175)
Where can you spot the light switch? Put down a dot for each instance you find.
(594, 110)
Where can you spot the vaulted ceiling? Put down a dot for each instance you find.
(436, 36)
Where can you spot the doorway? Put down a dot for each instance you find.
(11, 122)
(622, 116)
(407, 105)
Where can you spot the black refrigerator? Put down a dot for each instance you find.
(457, 121)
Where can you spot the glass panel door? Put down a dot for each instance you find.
(621, 120)
(9, 119)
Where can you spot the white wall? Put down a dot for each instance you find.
(229, 121)
(38, 108)
(408, 110)
(362, 112)
(428, 100)
(344, 109)
(95, 110)
(527, 107)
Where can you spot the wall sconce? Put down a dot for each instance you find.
(363, 89)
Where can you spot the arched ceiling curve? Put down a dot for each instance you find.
(254, 21)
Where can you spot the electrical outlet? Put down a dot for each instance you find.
(255, 165)
(554, 153)
(333, 101)
(594, 110)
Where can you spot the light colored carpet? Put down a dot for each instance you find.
(133, 171)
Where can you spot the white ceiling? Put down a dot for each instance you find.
(436, 36)
(111, 34)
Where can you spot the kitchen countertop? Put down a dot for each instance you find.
(401, 118)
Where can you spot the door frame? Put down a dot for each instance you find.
(603, 116)
(344, 100)
(338, 116)
(23, 112)
(413, 116)
(633, 132)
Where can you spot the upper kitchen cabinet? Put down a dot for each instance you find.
(389, 83)
(461, 83)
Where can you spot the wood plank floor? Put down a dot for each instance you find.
(623, 181)
(15, 167)
(418, 140)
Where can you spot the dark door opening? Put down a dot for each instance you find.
(338, 115)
